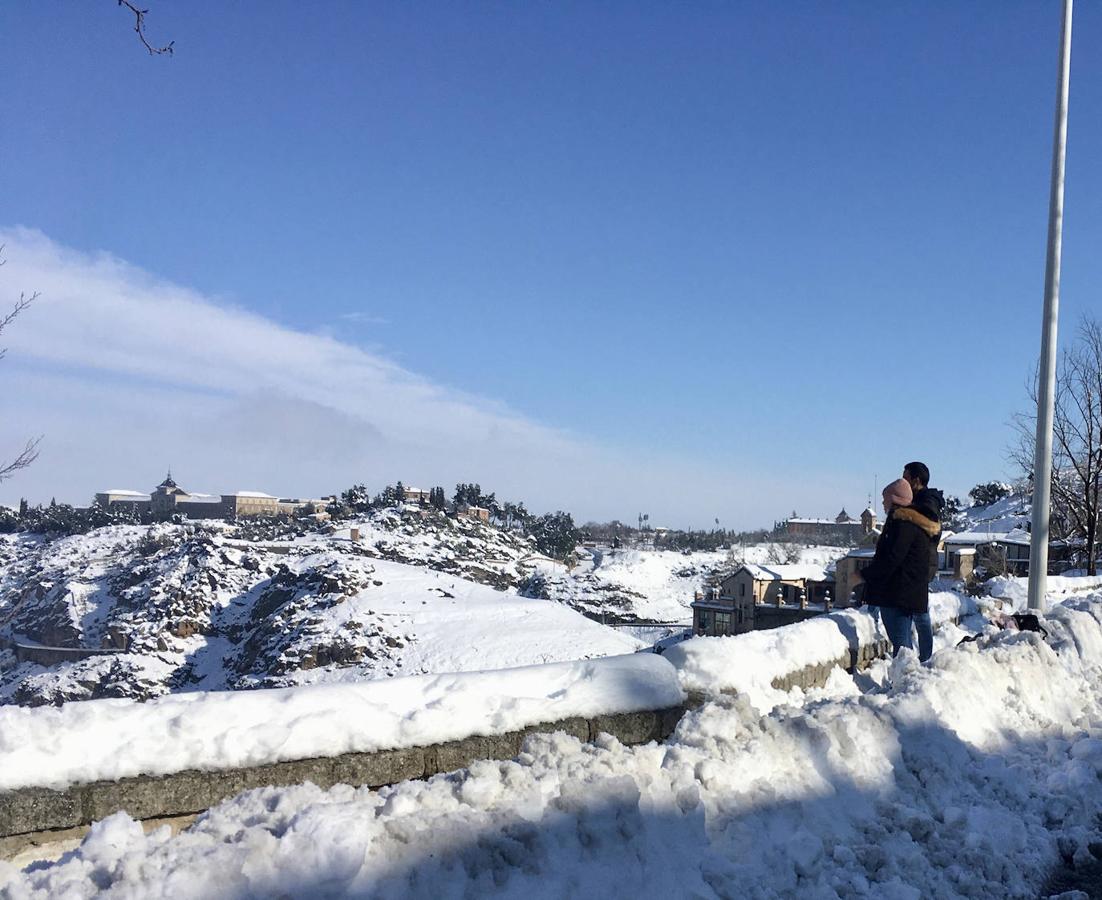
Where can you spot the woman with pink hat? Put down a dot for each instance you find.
(898, 577)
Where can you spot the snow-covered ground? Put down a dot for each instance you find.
(970, 777)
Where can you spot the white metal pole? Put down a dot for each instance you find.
(1046, 387)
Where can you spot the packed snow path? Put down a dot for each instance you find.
(971, 777)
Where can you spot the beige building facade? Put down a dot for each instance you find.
(168, 499)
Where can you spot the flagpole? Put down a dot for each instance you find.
(1046, 387)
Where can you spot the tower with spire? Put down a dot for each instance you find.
(163, 499)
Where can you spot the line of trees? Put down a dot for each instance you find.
(62, 519)
(554, 534)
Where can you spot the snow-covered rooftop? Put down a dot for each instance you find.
(1013, 536)
(122, 492)
(259, 494)
(790, 572)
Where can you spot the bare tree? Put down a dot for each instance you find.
(1076, 440)
(30, 452)
(139, 27)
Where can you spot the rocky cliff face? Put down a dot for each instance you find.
(195, 606)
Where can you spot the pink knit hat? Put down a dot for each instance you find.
(898, 493)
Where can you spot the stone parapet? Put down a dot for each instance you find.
(26, 813)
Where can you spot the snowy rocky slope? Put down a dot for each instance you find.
(214, 606)
(195, 607)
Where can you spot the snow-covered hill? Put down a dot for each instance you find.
(1004, 515)
(191, 607)
(209, 606)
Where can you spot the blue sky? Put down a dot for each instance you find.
(740, 257)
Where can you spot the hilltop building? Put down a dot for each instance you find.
(168, 499)
(842, 525)
(416, 495)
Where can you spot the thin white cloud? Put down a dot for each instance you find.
(362, 318)
(125, 373)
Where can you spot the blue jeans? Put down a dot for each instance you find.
(925, 631)
(898, 624)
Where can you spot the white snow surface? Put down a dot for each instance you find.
(1013, 591)
(107, 739)
(969, 777)
(749, 662)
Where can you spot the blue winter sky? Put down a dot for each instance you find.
(704, 260)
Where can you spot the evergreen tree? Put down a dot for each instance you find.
(355, 500)
(555, 534)
(991, 492)
(952, 514)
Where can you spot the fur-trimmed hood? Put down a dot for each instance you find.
(912, 515)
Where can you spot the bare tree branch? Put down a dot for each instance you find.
(26, 456)
(21, 304)
(30, 452)
(139, 27)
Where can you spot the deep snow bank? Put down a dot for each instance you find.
(107, 739)
(970, 777)
(748, 663)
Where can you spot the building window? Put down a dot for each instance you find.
(742, 589)
(723, 623)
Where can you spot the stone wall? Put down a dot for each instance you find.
(28, 811)
(817, 675)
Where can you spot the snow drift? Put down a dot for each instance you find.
(970, 777)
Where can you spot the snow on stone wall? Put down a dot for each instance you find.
(749, 663)
(113, 738)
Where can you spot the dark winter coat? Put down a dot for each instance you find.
(899, 574)
(929, 502)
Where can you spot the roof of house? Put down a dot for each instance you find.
(972, 538)
(719, 605)
(789, 572)
(259, 494)
(121, 492)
